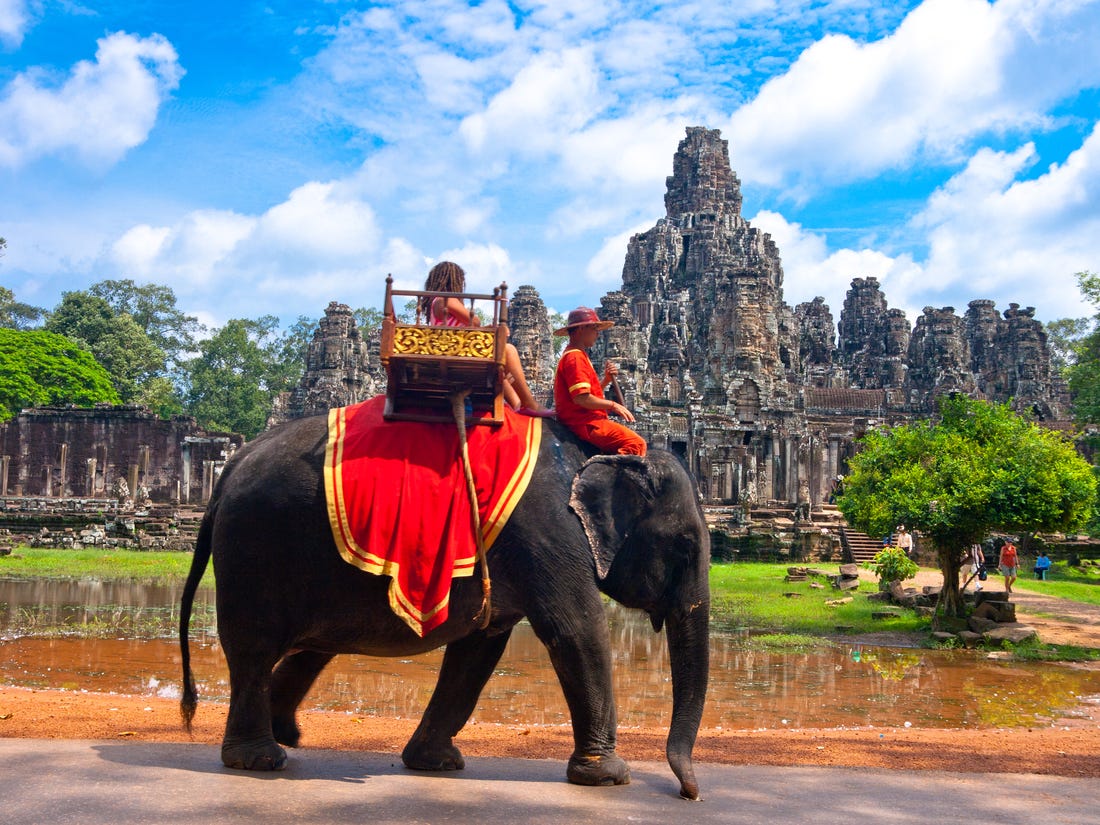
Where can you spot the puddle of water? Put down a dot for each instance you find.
(749, 689)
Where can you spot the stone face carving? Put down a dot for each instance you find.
(338, 369)
(534, 340)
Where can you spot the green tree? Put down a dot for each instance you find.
(154, 309)
(1064, 336)
(981, 467)
(288, 353)
(235, 378)
(1083, 374)
(115, 340)
(368, 319)
(17, 315)
(39, 368)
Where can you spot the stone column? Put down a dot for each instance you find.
(790, 470)
(5, 462)
(819, 486)
(64, 480)
(207, 480)
(47, 482)
(834, 456)
(89, 483)
(185, 473)
(133, 481)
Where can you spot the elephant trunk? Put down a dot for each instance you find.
(687, 629)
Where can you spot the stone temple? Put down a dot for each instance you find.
(762, 401)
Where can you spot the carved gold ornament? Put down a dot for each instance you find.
(451, 341)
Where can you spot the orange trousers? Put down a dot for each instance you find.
(611, 437)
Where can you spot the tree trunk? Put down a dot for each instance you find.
(950, 562)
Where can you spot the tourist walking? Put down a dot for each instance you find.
(977, 564)
(905, 540)
(1008, 563)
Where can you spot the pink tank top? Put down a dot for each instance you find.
(448, 319)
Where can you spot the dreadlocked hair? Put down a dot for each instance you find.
(445, 276)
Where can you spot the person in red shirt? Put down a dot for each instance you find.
(578, 391)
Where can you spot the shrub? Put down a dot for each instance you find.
(892, 565)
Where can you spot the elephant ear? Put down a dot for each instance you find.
(610, 493)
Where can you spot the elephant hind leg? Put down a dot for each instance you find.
(248, 743)
(290, 683)
(467, 665)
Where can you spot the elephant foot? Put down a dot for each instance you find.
(286, 731)
(256, 755)
(598, 770)
(422, 757)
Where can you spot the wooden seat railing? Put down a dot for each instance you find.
(427, 364)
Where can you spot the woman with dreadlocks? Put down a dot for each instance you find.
(446, 276)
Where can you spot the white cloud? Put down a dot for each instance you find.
(487, 266)
(606, 266)
(553, 95)
(953, 70)
(810, 269)
(14, 22)
(100, 111)
(320, 224)
(322, 243)
(190, 252)
(997, 234)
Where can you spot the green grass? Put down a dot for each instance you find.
(50, 563)
(750, 595)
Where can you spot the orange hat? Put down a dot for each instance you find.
(582, 317)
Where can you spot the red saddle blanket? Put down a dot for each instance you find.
(398, 502)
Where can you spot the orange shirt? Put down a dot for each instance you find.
(576, 376)
(1008, 556)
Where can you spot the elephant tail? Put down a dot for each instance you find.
(201, 557)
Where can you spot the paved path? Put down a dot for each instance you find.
(93, 782)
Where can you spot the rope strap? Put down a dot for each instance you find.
(458, 410)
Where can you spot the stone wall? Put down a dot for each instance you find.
(116, 452)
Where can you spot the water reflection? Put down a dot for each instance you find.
(749, 688)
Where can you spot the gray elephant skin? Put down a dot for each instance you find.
(625, 526)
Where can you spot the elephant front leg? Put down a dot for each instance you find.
(580, 650)
(467, 665)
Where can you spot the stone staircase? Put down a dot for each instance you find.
(858, 547)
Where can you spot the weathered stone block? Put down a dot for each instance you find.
(969, 638)
(981, 625)
(1015, 633)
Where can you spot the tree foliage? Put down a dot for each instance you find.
(1083, 373)
(17, 315)
(236, 376)
(153, 308)
(39, 368)
(980, 468)
(1064, 336)
(114, 339)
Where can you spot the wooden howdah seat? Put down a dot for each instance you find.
(426, 364)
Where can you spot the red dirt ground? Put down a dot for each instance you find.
(1073, 752)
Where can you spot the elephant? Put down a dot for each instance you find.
(628, 527)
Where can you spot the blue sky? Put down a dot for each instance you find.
(271, 157)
